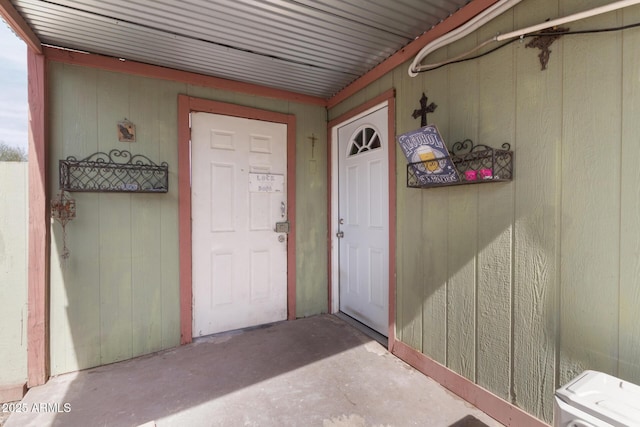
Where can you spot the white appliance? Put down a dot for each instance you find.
(595, 399)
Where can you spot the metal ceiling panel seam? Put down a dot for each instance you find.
(403, 18)
(73, 18)
(114, 36)
(250, 26)
(312, 47)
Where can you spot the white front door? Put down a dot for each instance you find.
(363, 219)
(238, 194)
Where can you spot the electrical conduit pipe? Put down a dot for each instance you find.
(494, 11)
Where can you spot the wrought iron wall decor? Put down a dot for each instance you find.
(475, 164)
(424, 110)
(63, 210)
(544, 42)
(116, 172)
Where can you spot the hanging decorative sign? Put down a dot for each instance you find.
(126, 131)
(266, 183)
(428, 156)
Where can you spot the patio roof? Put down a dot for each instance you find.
(311, 47)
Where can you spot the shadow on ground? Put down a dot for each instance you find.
(315, 371)
(468, 421)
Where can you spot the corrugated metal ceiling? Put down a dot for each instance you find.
(313, 47)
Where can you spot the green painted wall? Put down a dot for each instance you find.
(521, 286)
(13, 272)
(117, 295)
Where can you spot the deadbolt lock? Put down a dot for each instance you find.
(282, 227)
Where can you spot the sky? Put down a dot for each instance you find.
(13, 88)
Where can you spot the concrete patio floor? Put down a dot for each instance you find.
(318, 371)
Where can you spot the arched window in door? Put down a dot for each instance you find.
(364, 139)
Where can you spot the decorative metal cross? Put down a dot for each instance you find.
(313, 143)
(544, 42)
(424, 109)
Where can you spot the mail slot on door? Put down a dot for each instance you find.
(282, 227)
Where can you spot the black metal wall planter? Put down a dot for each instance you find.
(475, 164)
(116, 172)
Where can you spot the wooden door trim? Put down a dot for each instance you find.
(388, 97)
(187, 105)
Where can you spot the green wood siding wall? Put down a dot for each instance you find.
(14, 218)
(521, 286)
(117, 295)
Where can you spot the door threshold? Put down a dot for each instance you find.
(233, 332)
(363, 328)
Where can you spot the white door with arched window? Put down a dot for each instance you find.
(363, 219)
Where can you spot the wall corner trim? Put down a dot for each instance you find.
(492, 405)
(184, 214)
(39, 229)
(12, 393)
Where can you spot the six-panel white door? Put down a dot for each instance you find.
(239, 262)
(363, 224)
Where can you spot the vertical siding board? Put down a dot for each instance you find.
(81, 295)
(379, 86)
(115, 229)
(146, 298)
(409, 213)
(495, 218)
(14, 222)
(60, 334)
(629, 362)
(401, 184)
(311, 208)
(461, 296)
(590, 194)
(146, 242)
(74, 288)
(209, 93)
(494, 289)
(82, 286)
(537, 186)
(463, 214)
(168, 139)
(269, 104)
(435, 223)
(349, 104)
